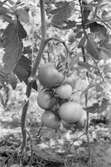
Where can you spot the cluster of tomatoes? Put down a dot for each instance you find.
(55, 99)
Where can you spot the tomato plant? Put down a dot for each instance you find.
(62, 47)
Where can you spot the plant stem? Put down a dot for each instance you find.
(33, 73)
(42, 44)
(86, 94)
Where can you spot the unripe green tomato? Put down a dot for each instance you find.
(64, 91)
(70, 112)
(50, 120)
(49, 76)
(45, 100)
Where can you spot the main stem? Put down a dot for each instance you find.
(33, 73)
(86, 94)
(42, 45)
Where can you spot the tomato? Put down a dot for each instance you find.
(45, 100)
(64, 91)
(50, 120)
(70, 112)
(49, 76)
(70, 80)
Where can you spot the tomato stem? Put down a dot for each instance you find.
(34, 69)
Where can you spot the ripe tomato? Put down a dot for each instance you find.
(49, 76)
(50, 120)
(45, 100)
(70, 112)
(64, 91)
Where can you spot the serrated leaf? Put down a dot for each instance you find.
(7, 18)
(92, 109)
(62, 13)
(12, 48)
(97, 107)
(4, 10)
(23, 70)
(4, 13)
(92, 49)
(21, 31)
(95, 27)
(23, 15)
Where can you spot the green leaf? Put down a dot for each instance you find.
(92, 109)
(85, 65)
(4, 10)
(12, 47)
(98, 107)
(22, 14)
(7, 18)
(92, 49)
(21, 31)
(96, 27)
(23, 70)
(62, 13)
(5, 13)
